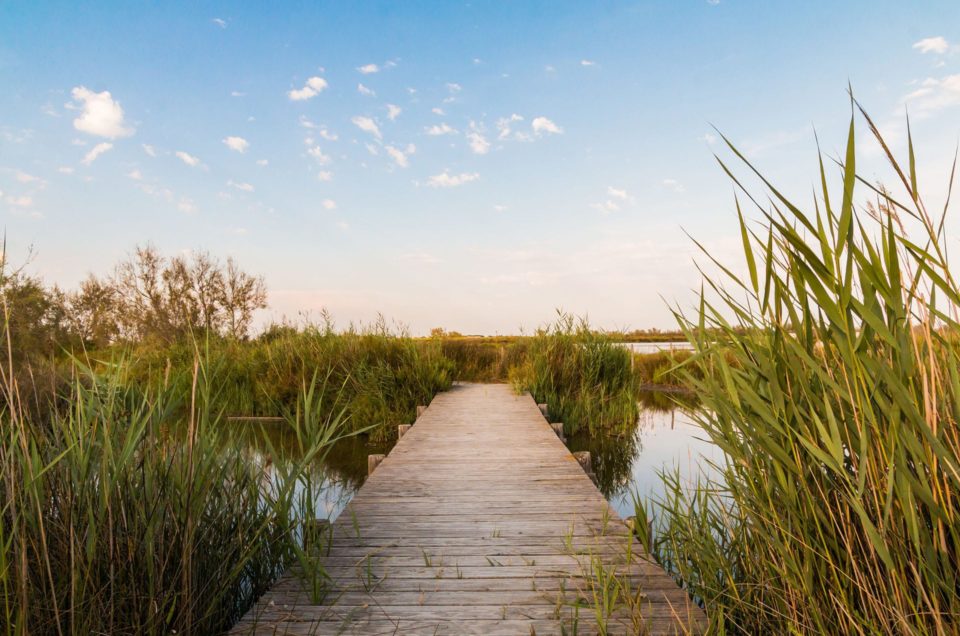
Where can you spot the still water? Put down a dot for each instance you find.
(654, 347)
(665, 437)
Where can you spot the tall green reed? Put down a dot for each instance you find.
(832, 384)
(136, 510)
(583, 376)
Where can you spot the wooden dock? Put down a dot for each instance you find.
(479, 521)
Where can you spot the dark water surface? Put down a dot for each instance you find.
(665, 437)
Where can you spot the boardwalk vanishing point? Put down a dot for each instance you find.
(479, 521)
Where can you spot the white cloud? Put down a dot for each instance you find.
(65, 170)
(505, 125)
(401, 157)
(317, 154)
(263, 162)
(440, 129)
(329, 204)
(220, 22)
(324, 175)
(420, 257)
(617, 193)
(150, 150)
(478, 143)
(237, 94)
(363, 90)
(239, 144)
(709, 138)
(245, 187)
(673, 184)
(437, 111)
(187, 206)
(544, 125)
(447, 180)
(587, 63)
(95, 152)
(393, 111)
(187, 158)
(607, 206)
(933, 96)
(326, 134)
(306, 123)
(938, 45)
(367, 69)
(453, 87)
(23, 177)
(135, 175)
(312, 88)
(367, 125)
(100, 115)
(372, 149)
(500, 208)
(21, 201)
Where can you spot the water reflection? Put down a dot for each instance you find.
(336, 477)
(665, 436)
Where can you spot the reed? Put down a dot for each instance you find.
(134, 509)
(833, 387)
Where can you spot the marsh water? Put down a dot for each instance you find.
(664, 437)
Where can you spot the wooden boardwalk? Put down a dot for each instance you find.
(479, 521)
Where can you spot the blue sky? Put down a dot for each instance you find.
(468, 165)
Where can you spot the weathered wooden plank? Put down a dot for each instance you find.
(479, 521)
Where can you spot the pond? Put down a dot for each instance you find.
(665, 437)
(655, 347)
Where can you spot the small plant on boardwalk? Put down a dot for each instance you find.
(839, 511)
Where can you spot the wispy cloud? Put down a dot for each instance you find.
(368, 69)
(100, 114)
(317, 153)
(393, 111)
(245, 187)
(150, 150)
(423, 258)
(447, 180)
(95, 152)
(367, 125)
(933, 96)
(587, 63)
(478, 143)
(673, 185)
(938, 45)
(401, 157)
(363, 90)
(187, 158)
(542, 125)
(329, 204)
(220, 22)
(237, 144)
(440, 129)
(314, 86)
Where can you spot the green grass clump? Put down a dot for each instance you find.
(583, 376)
(833, 387)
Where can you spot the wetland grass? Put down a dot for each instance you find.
(833, 388)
